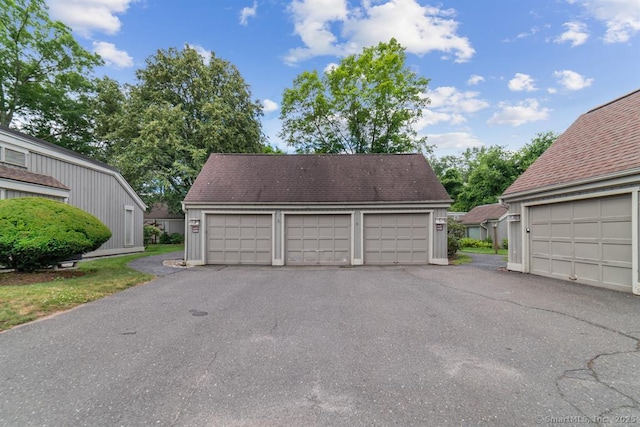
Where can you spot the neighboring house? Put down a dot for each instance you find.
(456, 215)
(573, 214)
(481, 221)
(166, 221)
(31, 167)
(379, 209)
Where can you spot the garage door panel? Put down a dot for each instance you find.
(239, 239)
(616, 206)
(617, 230)
(592, 244)
(587, 250)
(613, 275)
(616, 252)
(323, 239)
(396, 238)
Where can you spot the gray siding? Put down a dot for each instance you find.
(515, 235)
(440, 237)
(96, 192)
(13, 194)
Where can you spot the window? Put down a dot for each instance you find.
(128, 225)
(13, 157)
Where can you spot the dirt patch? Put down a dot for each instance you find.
(13, 278)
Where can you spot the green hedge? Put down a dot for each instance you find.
(468, 242)
(38, 233)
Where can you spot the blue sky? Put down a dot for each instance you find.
(501, 70)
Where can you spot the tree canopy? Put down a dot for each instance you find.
(480, 175)
(44, 76)
(368, 103)
(160, 130)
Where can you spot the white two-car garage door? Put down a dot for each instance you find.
(239, 239)
(588, 241)
(318, 239)
(401, 238)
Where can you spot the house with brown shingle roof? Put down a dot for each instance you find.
(31, 167)
(573, 214)
(486, 221)
(375, 209)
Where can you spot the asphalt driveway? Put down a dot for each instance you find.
(239, 346)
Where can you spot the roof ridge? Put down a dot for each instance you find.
(613, 101)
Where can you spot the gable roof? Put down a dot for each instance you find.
(482, 213)
(312, 178)
(30, 177)
(602, 142)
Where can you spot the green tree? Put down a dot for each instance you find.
(44, 75)
(161, 130)
(531, 151)
(367, 104)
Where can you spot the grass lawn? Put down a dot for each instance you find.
(485, 251)
(460, 259)
(21, 303)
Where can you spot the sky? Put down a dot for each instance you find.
(501, 71)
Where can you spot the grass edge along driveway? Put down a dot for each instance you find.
(25, 303)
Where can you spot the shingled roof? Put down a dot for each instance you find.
(601, 142)
(258, 178)
(482, 213)
(30, 177)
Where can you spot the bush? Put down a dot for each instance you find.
(505, 243)
(176, 238)
(39, 233)
(165, 239)
(468, 242)
(151, 233)
(455, 233)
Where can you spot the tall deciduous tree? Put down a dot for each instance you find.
(368, 103)
(44, 75)
(182, 109)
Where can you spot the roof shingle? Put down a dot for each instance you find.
(30, 177)
(603, 141)
(482, 213)
(258, 178)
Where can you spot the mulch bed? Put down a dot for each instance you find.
(13, 278)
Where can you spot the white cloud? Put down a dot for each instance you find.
(88, 16)
(204, 53)
(112, 55)
(453, 140)
(621, 17)
(474, 80)
(420, 29)
(522, 82)
(450, 105)
(523, 112)
(248, 12)
(330, 67)
(571, 80)
(269, 106)
(576, 34)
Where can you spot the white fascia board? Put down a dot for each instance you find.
(33, 146)
(307, 206)
(629, 177)
(33, 188)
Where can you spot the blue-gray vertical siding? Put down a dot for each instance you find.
(13, 194)
(96, 192)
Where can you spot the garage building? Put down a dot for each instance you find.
(573, 214)
(374, 209)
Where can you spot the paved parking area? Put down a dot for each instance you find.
(331, 346)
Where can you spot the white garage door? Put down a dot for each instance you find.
(239, 239)
(588, 241)
(318, 239)
(396, 238)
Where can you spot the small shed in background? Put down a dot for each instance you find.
(480, 222)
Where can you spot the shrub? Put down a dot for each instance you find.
(39, 233)
(151, 233)
(468, 242)
(505, 243)
(165, 239)
(176, 238)
(455, 232)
